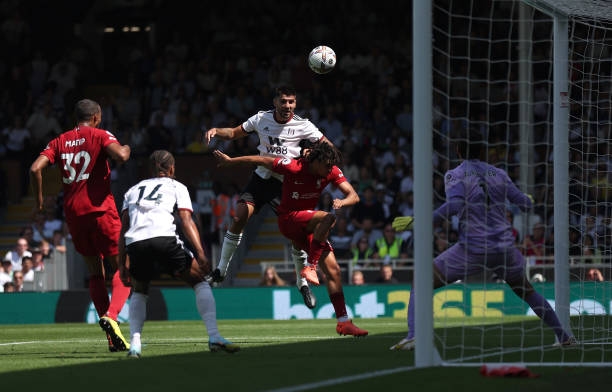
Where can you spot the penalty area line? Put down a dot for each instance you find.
(51, 342)
(342, 380)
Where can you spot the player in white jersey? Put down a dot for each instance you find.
(280, 133)
(149, 238)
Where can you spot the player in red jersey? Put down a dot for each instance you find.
(89, 206)
(281, 132)
(308, 229)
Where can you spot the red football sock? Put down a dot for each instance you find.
(119, 295)
(316, 249)
(337, 300)
(98, 294)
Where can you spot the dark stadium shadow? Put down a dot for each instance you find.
(262, 365)
(274, 355)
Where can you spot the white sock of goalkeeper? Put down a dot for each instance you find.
(300, 259)
(138, 314)
(231, 242)
(207, 308)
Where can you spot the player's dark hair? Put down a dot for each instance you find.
(160, 163)
(325, 153)
(85, 109)
(471, 144)
(285, 90)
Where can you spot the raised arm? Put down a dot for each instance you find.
(520, 199)
(224, 160)
(451, 207)
(224, 133)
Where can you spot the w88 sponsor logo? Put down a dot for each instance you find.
(278, 150)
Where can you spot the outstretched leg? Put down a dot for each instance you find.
(231, 240)
(119, 292)
(207, 308)
(518, 282)
(300, 260)
(99, 296)
(319, 225)
(331, 269)
(408, 342)
(542, 309)
(97, 284)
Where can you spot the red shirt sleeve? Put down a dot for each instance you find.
(51, 151)
(336, 176)
(286, 165)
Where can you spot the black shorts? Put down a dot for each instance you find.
(260, 191)
(152, 257)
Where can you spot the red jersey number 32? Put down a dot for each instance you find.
(71, 163)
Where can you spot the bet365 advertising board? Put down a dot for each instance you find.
(370, 301)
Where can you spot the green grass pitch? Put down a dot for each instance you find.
(291, 355)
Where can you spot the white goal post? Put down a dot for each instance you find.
(554, 58)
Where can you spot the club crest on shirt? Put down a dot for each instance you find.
(295, 195)
(285, 161)
(449, 178)
(111, 136)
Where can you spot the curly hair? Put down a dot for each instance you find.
(325, 153)
(160, 162)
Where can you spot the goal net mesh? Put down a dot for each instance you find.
(493, 71)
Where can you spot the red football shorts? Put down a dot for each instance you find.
(96, 234)
(293, 226)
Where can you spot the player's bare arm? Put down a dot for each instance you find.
(224, 133)
(118, 152)
(124, 274)
(36, 175)
(191, 233)
(223, 160)
(350, 196)
(325, 140)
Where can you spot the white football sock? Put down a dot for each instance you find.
(135, 341)
(138, 312)
(207, 308)
(300, 259)
(231, 242)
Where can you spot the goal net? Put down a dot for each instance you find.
(498, 67)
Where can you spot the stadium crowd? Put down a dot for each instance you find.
(162, 90)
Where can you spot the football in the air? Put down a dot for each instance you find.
(322, 59)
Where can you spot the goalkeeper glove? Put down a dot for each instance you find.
(402, 223)
(531, 198)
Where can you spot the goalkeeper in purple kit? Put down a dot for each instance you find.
(477, 192)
